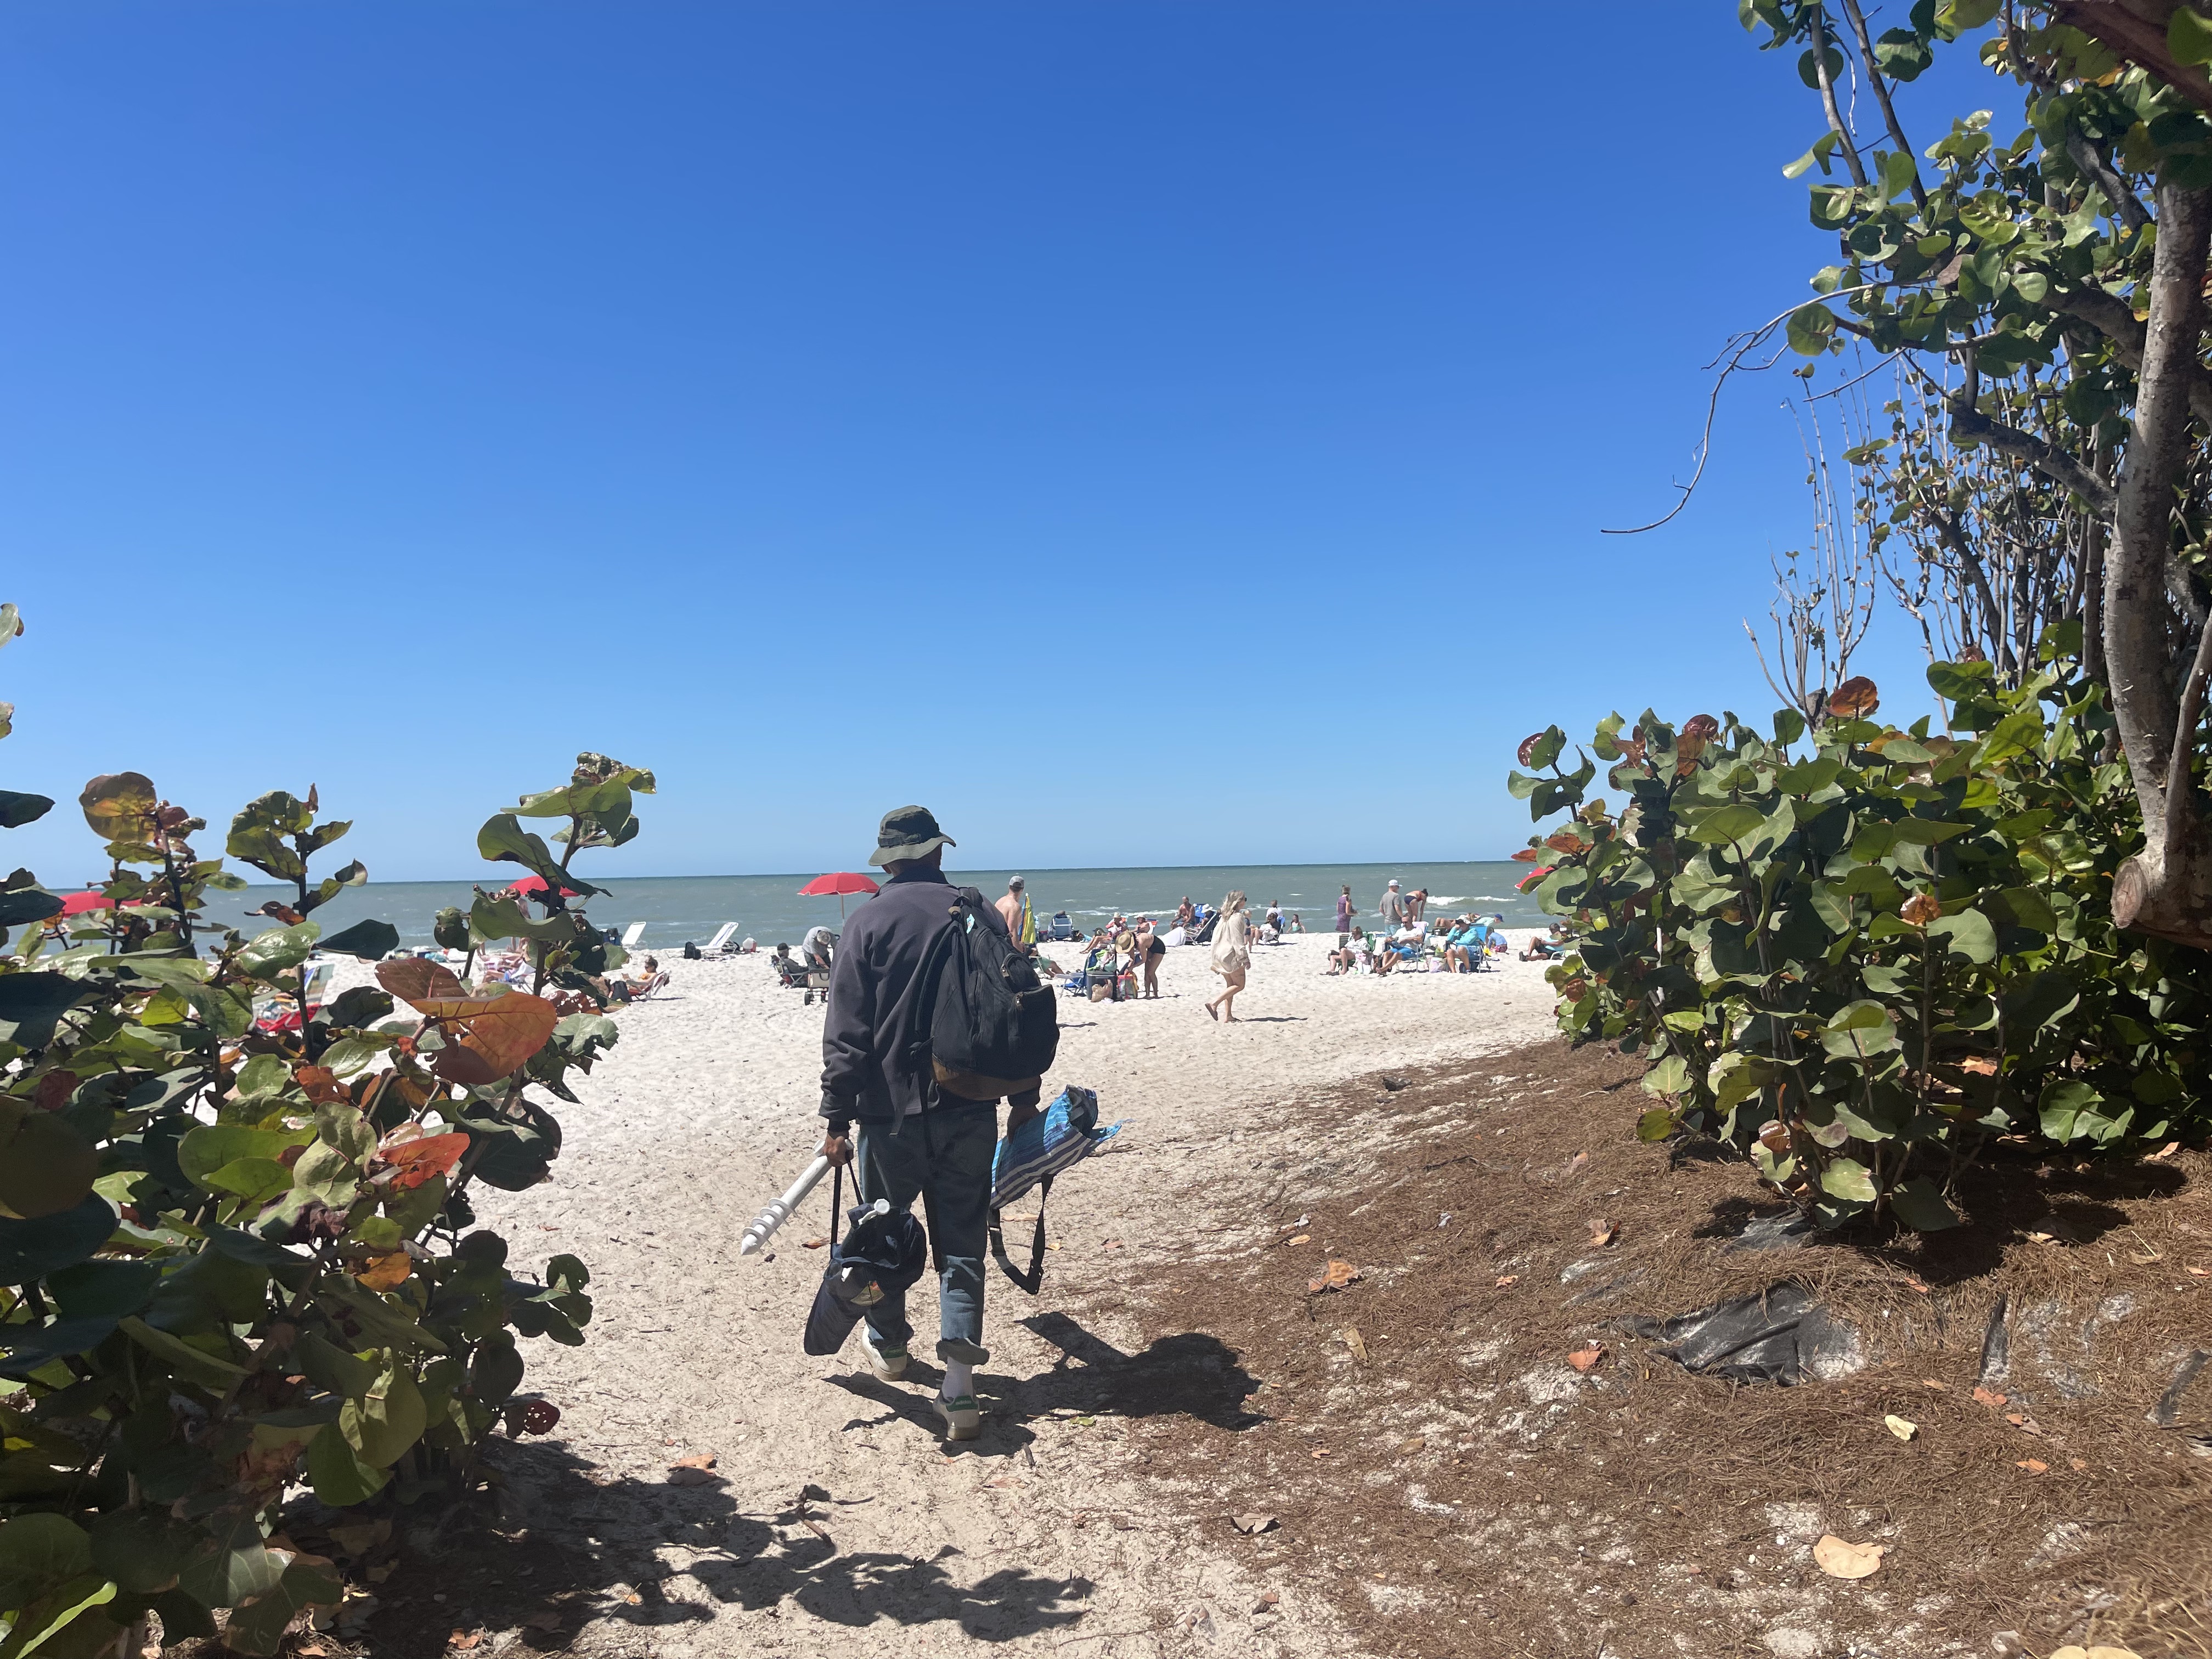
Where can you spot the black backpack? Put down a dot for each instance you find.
(986, 1024)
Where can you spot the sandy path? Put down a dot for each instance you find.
(1050, 1533)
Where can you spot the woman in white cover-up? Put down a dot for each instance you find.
(1232, 954)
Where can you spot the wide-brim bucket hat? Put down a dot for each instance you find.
(908, 832)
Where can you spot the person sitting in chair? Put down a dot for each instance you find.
(788, 969)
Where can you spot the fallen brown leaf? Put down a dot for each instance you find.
(1323, 1451)
(1915, 1286)
(1988, 1397)
(1575, 1163)
(1839, 1559)
(1271, 1598)
(2022, 1420)
(1250, 1525)
(2034, 1465)
(1416, 1444)
(1334, 1277)
(465, 1639)
(1903, 1428)
(1508, 1278)
(2168, 1150)
(1301, 1238)
(812, 1244)
(1583, 1359)
(2076, 1465)
(633, 1598)
(1603, 1232)
(1930, 1382)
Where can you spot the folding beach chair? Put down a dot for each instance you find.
(632, 934)
(720, 944)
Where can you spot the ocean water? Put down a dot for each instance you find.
(676, 909)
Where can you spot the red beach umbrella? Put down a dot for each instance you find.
(76, 904)
(840, 882)
(530, 884)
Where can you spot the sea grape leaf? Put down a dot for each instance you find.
(279, 949)
(369, 940)
(31, 1003)
(45, 1164)
(1848, 1179)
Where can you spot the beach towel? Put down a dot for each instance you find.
(1065, 1133)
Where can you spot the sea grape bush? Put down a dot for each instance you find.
(237, 1248)
(1866, 956)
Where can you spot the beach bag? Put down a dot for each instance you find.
(882, 1256)
(987, 1024)
(1062, 1135)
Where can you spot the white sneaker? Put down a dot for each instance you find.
(962, 1417)
(889, 1364)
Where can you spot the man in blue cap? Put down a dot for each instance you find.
(916, 1137)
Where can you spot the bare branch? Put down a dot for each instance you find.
(1881, 96)
(1971, 426)
(1828, 98)
(2124, 202)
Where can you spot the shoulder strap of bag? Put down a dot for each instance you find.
(1026, 1283)
(926, 978)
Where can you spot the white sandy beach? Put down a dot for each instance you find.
(701, 1113)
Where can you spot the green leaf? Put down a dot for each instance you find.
(142, 1550)
(2189, 37)
(1968, 934)
(2063, 1106)
(39, 1553)
(279, 949)
(30, 1003)
(1823, 148)
(371, 941)
(258, 1626)
(1812, 327)
(1848, 1179)
(2013, 735)
(30, 1249)
(1656, 1125)
(339, 1477)
(40, 1623)
(386, 1421)
(1671, 1076)
(195, 1364)
(1897, 173)
(1859, 1031)
(1920, 1204)
(27, 905)
(1723, 824)
(210, 1146)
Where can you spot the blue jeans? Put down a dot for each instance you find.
(943, 1156)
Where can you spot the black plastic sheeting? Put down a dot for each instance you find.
(1781, 1336)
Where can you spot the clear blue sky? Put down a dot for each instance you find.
(1146, 433)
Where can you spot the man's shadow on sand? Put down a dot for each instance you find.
(1190, 1374)
(571, 1546)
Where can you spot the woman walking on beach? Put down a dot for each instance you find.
(1232, 955)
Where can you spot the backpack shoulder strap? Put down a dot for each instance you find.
(926, 978)
(1028, 1282)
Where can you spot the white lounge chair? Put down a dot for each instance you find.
(720, 944)
(632, 935)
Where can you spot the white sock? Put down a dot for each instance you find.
(959, 1379)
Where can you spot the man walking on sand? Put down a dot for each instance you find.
(1021, 920)
(916, 1137)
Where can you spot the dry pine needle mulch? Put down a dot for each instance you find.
(1466, 1450)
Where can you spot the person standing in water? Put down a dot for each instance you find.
(1232, 955)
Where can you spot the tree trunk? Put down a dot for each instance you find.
(2157, 691)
